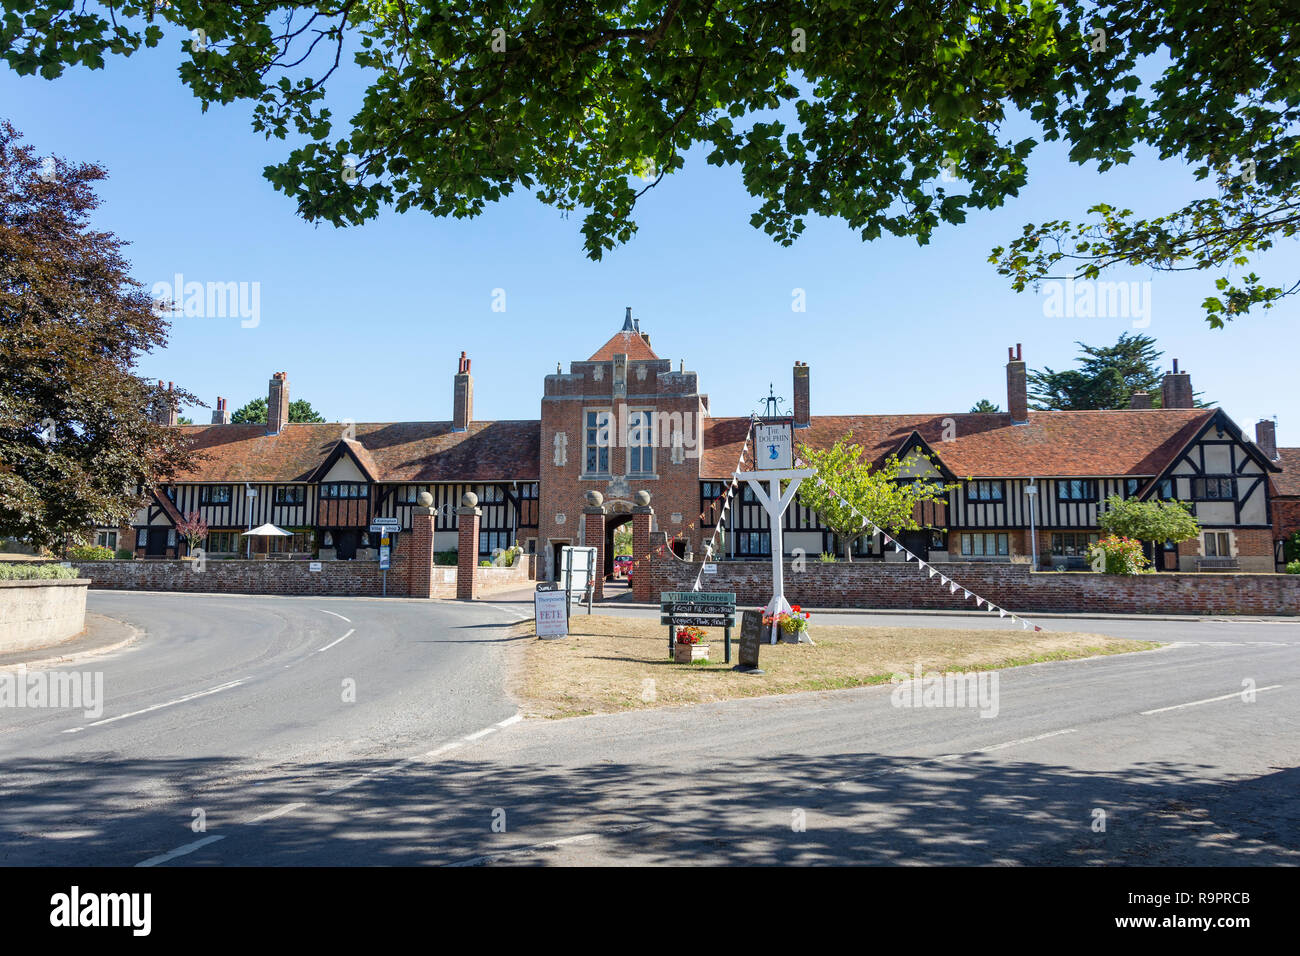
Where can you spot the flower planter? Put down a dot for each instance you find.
(686, 653)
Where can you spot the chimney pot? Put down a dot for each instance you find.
(1140, 400)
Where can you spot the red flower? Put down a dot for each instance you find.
(794, 607)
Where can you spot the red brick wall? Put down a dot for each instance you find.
(241, 577)
(887, 585)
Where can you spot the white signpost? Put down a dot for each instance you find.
(385, 527)
(773, 458)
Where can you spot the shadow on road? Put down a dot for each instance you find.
(856, 809)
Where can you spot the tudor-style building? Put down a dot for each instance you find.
(623, 420)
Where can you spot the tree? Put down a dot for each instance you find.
(984, 406)
(193, 529)
(1150, 521)
(888, 116)
(850, 488)
(78, 433)
(1107, 377)
(255, 413)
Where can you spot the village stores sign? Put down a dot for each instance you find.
(701, 609)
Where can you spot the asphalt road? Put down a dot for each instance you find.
(428, 767)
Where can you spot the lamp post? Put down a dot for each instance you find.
(1032, 492)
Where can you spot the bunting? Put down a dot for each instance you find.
(953, 586)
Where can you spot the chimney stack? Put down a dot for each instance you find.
(462, 406)
(802, 398)
(165, 411)
(1140, 400)
(221, 414)
(277, 404)
(1017, 386)
(1176, 390)
(1266, 438)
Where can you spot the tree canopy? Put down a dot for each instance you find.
(256, 412)
(1107, 377)
(78, 433)
(985, 406)
(892, 117)
(1148, 520)
(851, 488)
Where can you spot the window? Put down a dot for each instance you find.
(983, 545)
(214, 495)
(1217, 544)
(1076, 489)
(300, 542)
(223, 542)
(411, 493)
(490, 542)
(142, 537)
(640, 443)
(343, 489)
(747, 494)
(1165, 489)
(984, 491)
(1131, 486)
(1214, 488)
(107, 539)
(596, 442)
(710, 505)
(1070, 544)
(754, 543)
(290, 495)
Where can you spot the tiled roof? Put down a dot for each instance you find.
(1052, 444)
(1288, 482)
(392, 451)
(630, 343)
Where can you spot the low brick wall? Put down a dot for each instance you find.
(902, 586)
(38, 613)
(491, 580)
(237, 577)
(350, 578)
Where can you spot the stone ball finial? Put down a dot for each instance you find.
(595, 499)
(469, 500)
(424, 499)
(643, 498)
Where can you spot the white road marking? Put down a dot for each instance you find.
(444, 749)
(339, 641)
(479, 733)
(510, 720)
(549, 844)
(137, 713)
(277, 812)
(1208, 700)
(1009, 743)
(180, 851)
(323, 611)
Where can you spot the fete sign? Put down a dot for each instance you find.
(550, 610)
(773, 446)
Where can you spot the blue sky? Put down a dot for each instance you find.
(368, 322)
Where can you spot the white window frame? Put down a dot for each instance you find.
(608, 414)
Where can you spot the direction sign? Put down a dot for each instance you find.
(385, 524)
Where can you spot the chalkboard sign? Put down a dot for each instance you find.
(701, 609)
(751, 638)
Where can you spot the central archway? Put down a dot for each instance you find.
(618, 513)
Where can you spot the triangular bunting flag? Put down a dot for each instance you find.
(966, 593)
(1001, 613)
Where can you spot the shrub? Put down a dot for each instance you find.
(14, 571)
(1293, 567)
(125, 555)
(827, 558)
(89, 552)
(444, 557)
(1116, 555)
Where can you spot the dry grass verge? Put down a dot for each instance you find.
(607, 663)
